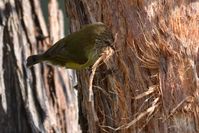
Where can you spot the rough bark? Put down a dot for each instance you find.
(153, 86)
(41, 98)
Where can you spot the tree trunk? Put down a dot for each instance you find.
(41, 98)
(150, 84)
(153, 86)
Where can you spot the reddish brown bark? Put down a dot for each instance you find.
(154, 84)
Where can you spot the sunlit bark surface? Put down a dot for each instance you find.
(41, 98)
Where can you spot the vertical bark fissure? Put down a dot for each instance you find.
(24, 105)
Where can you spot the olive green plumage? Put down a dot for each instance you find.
(78, 50)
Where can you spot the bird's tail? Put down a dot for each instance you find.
(34, 59)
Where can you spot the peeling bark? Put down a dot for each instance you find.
(154, 84)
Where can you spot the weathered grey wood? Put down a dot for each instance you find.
(41, 98)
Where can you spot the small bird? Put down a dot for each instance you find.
(78, 50)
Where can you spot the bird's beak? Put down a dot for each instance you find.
(112, 47)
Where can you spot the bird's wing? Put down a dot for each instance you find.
(61, 54)
(70, 49)
(55, 48)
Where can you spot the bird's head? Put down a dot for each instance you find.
(104, 36)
